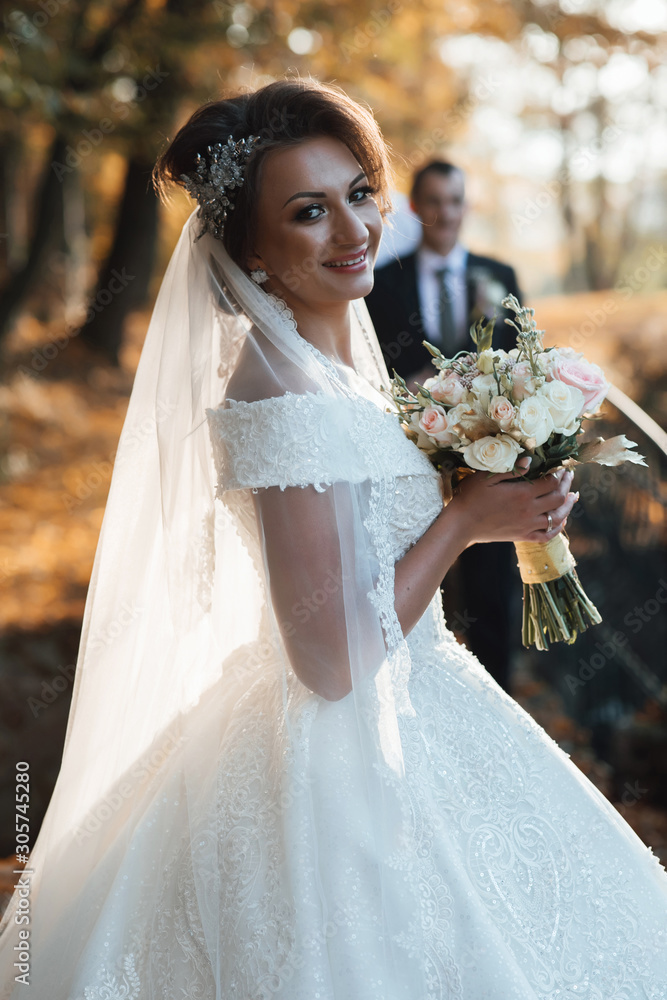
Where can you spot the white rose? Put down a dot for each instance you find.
(484, 387)
(534, 419)
(567, 352)
(565, 403)
(497, 453)
(502, 411)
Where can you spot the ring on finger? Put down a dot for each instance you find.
(550, 523)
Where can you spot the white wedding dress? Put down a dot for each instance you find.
(530, 885)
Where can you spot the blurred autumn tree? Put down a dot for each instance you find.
(90, 89)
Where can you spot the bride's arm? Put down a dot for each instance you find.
(301, 535)
(318, 587)
(484, 509)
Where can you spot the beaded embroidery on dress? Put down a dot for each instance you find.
(221, 832)
(530, 884)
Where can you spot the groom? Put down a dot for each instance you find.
(435, 294)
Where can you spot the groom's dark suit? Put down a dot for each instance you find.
(481, 593)
(396, 313)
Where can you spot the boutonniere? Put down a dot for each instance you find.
(489, 293)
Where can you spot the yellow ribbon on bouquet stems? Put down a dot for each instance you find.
(555, 605)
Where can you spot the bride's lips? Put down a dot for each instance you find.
(350, 262)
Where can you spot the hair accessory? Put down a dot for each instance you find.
(216, 176)
(259, 275)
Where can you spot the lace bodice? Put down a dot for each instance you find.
(288, 441)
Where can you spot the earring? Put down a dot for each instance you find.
(259, 275)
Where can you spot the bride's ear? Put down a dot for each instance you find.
(254, 261)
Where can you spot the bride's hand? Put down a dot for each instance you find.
(504, 508)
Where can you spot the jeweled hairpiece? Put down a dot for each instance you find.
(217, 175)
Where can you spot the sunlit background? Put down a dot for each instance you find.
(557, 112)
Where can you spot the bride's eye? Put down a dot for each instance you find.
(309, 212)
(363, 192)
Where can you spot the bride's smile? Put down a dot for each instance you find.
(318, 229)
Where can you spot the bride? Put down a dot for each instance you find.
(283, 777)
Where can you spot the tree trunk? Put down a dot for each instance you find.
(47, 232)
(125, 276)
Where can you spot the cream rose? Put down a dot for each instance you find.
(583, 375)
(502, 411)
(469, 421)
(534, 419)
(449, 390)
(497, 453)
(524, 383)
(484, 387)
(565, 403)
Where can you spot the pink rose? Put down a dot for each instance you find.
(582, 375)
(449, 390)
(502, 411)
(434, 423)
(433, 420)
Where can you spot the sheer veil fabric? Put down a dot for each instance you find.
(181, 631)
(218, 830)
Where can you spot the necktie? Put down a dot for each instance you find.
(446, 325)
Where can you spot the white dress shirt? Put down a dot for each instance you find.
(428, 264)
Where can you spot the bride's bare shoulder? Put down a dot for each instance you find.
(262, 371)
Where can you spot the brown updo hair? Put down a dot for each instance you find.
(283, 113)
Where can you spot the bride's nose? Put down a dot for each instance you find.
(349, 228)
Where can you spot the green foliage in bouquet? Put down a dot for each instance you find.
(485, 407)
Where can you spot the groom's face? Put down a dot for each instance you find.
(440, 204)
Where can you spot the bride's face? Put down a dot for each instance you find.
(319, 226)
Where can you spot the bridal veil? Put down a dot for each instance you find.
(180, 621)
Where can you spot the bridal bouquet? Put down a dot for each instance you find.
(485, 408)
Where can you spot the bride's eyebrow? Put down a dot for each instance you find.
(321, 194)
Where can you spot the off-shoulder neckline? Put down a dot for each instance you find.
(381, 405)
